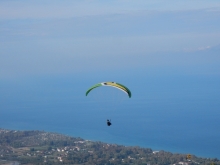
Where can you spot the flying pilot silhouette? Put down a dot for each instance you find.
(109, 122)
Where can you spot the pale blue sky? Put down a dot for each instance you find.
(58, 37)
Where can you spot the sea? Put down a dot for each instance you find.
(174, 114)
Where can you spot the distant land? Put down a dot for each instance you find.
(45, 148)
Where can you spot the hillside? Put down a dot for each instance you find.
(39, 147)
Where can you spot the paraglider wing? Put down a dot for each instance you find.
(111, 84)
(94, 86)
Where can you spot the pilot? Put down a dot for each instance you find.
(109, 122)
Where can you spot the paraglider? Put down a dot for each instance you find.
(110, 84)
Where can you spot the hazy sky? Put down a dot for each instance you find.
(80, 36)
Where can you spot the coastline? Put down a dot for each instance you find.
(107, 138)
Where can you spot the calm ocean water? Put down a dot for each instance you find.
(156, 128)
(180, 121)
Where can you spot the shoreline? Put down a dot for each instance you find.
(121, 142)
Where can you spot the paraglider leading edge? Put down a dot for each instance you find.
(112, 84)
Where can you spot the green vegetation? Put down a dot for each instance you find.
(38, 147)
